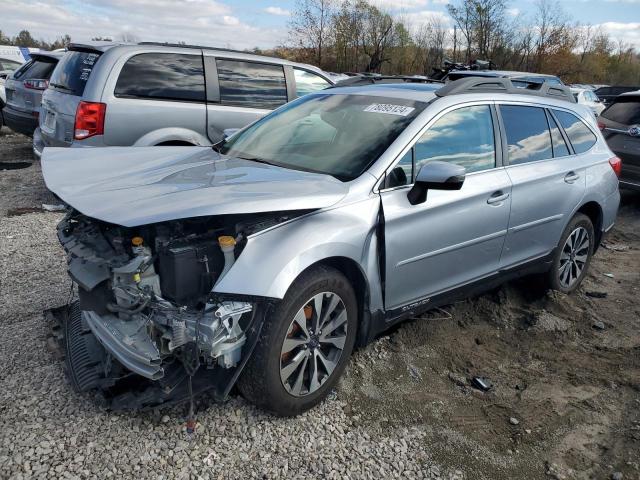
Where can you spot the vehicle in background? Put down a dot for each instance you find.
(525, 77)
(24, 91)
(317, 228)
(589, 99)
(609, 93)
(620, 125)
(11, 58)
(114, 94)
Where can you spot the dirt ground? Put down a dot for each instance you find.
(564, 370)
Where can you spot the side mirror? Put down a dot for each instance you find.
(436, 175)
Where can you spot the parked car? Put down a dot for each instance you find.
(145, 94)
(608, 93)
(520, 79)
(269, 257)
(620, 124)
(24, 91)
(589, 99)
(7, 67)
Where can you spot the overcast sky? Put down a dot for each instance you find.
(249, 23)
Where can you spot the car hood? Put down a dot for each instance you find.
(133, 186)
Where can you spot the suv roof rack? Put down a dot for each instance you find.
(180, 45)
(361, 79)
(506, 85)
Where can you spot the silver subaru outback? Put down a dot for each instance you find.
(264, 261)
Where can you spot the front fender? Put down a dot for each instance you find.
(273, 259)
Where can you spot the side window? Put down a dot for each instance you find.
(559, 145)
(580, 136)
(528, 134)
(463, 136)
(307, 82)
(402, 173)
(162, 76)
(252, 85)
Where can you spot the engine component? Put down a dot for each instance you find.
(187, 270)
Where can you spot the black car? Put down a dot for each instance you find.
(609, 94)
(620, 124)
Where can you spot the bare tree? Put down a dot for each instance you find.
(462, 14)
(311, 26)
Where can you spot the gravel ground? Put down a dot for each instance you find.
(565, 400)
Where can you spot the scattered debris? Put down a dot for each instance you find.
(596, 294)
(598, 325)
(54, 208)
(527, 430)
(616, 476)
(514, 421)
(616, 247)
(414, 372)
(610, 275)
(482, 383)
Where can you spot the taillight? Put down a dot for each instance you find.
(36, 84)
(601, 126)
(616, 164)
(89, 120)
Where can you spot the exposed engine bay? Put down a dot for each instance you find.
(146, 307)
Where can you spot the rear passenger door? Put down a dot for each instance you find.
(548, 177)
(240, 91)
(157, 97)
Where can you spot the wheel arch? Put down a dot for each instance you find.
(593, 210)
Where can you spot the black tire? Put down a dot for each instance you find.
(554, 275)
(260, 382)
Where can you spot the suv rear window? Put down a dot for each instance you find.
(162, 76)
(528, 134)
(579, 134)
(73, 72)
(40, 68)
(625, 110)
(250, 84)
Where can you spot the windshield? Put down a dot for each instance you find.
(339, 135)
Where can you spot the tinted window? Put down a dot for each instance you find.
(356, 130)
(579, 134)
(307, 82)
(463, 137)
(249, 84)
(625, 110)
(162, 76)
(527, 134)
(559, 145)
(73, 71)
(40, 68)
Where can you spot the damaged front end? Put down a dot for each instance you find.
(146, 318)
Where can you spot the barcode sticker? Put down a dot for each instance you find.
(400, 110)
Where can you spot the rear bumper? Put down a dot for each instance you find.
(38, 144)
(20, 122)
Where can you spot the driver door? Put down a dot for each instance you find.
(454, 237)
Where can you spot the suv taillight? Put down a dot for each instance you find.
(89, 120)
(616, 164)
(36, 84)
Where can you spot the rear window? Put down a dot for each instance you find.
(40, 68)
(162, 76)
(73, 72)
(250, 84)
(625, 110)
(528, 134)
(580, 136)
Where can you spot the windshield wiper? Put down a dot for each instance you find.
(218, 145)
(257, 159)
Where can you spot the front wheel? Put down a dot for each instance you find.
(573, 255)
(305, 344)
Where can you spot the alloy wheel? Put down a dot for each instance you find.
(313, 344)
(573, 257)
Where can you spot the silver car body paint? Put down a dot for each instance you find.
(452, 239)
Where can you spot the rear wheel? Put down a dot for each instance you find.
(573, 255)
(305, 344)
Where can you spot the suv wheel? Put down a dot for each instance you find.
(573, 255)
(305, 344)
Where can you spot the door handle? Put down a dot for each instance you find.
(497, 197)
(571, 177)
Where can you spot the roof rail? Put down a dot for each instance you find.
(372, 80)
(181, 45)
(506, 85)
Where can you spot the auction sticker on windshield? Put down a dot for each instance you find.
(400, 110)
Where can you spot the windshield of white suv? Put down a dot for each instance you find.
(339, 135)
